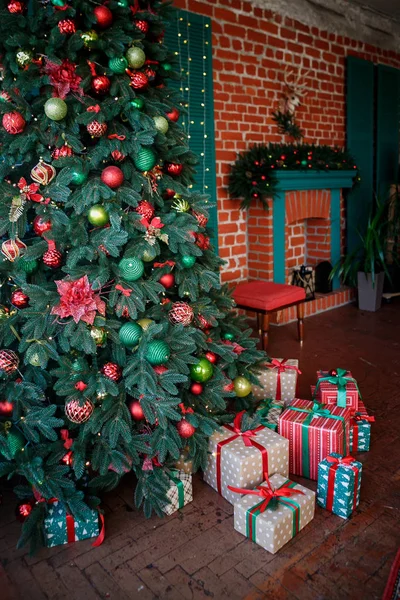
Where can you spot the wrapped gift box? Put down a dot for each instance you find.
(274, 525)
(278, 378)
(184, 463)
(360, 429)
(340, 390)
(62, 528)
(270, 410)
(240, 459)
(339, 483)
(180, 491)
(313, 431)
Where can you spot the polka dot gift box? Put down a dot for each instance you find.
(62, 528)
(278, 379)
(240, 458)
(274, 513)
(339, 483)
(314, 431)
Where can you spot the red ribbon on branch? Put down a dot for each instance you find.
(335, 464)
(115, 136)
(167, 263)
(125, 291)
(67, 440)
(247, 440)
(95, 108)
(267, 492)
(281, 366)
(186, 410)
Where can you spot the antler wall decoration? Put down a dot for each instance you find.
(284, 117)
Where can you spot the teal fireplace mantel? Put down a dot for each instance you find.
(289, 181)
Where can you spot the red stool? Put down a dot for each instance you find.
(265, 298)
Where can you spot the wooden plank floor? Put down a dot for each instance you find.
(197, 554)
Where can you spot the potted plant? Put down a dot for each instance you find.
(366, 266)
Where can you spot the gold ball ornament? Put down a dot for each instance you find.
(23, 58)
(135, 57)
(242, 387)
(145, 323)
(90, 38)
(55, 109)
(161, 124)
(99, 335)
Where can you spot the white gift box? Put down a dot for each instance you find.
(268, 377)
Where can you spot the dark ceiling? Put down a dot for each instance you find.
(386, 7)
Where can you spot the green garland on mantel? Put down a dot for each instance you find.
(253, 176)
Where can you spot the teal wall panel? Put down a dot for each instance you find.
(387, 130)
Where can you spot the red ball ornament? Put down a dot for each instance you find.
(96, 129)
(203, 323)
(77, 413)
(19, 299)
(196, 388)
(112, 371)
(80, 386)
(13, 122)
(52, 257)
(67, 459)
(201, 219)
(229, 387)
(173, 115)
(167, 280)
(5, 96)
(160, 369)
(117, 156)
(211, 357)
(142, 25)
(16, 8)
(136, 410)
(9, 361)
(112, 176)
(6, 408)
(173, 169)
(23, 511)
(181, 313)
(168, 194)
(104, 16)
(101, 84)
(333, 373)
(64, 152)
(146, 209)
(67, 26)
(150, 74)
(139, 80)
(41, 225)
(185, 429)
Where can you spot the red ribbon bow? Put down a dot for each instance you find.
(125, 291)
(92, 68)
(67, 440)
(115, 136)
(343, 460)
(237, 428)
(367, 418)
(185, 410)
(281, 366)
(95, 108)
(267, 492)
(154, 223)
(29, 190)
(167, 263)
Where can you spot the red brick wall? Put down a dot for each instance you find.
(251, 48)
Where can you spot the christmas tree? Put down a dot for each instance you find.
(119, 345)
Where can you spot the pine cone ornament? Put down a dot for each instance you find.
(19, 299)
(146, 209)
(52, 257)
(79, 414)
(139, 80)
(9, 361)
(201, 219)
(142, 25)
(96, 129)
(13, 122)
(16, 8)
(117, 156)
(182, 313)
(112, 371)
(64, 152)
(67, 26)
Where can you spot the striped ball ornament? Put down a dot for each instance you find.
(145, 159)
(131, 268)
(130, 334)
(158, 353)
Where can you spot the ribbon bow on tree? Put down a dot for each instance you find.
(125, 291)
(186, 410)
(268, 492)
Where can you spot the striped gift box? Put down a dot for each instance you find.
(327, 393)
(314, 431)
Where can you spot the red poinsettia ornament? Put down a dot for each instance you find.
(78, 300)
(63, 78)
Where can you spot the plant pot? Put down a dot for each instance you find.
(370, 296)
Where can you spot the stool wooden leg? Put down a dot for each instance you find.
(265, 330)
(259, 326)
(300, 322)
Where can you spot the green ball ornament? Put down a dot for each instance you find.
(90, 38)
(188, 261)
(149, 254)
(131, 268)
(304, 163)
(58, 3)
(158, 353)
(201, 371)
(28, 266)
(78, 177)
(135, 57)
(145, 323)
(15, 441)
(34, 360)
(161, 124)
(98, 216)
(118, 65)
(145, 159)
(242, 387)
(228, 336)
(23, 58)
(167, 67)
(123, 3)
(138, 103)
(130, 334)
(55, 109)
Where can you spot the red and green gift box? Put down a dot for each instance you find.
(238, 457)
(360, 429)
(60, 527)
(337, 387)
(314, 431)
(274, 512)
(339, 483)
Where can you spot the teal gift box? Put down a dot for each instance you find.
(360, 430)
(339, 483)
(62, 528)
